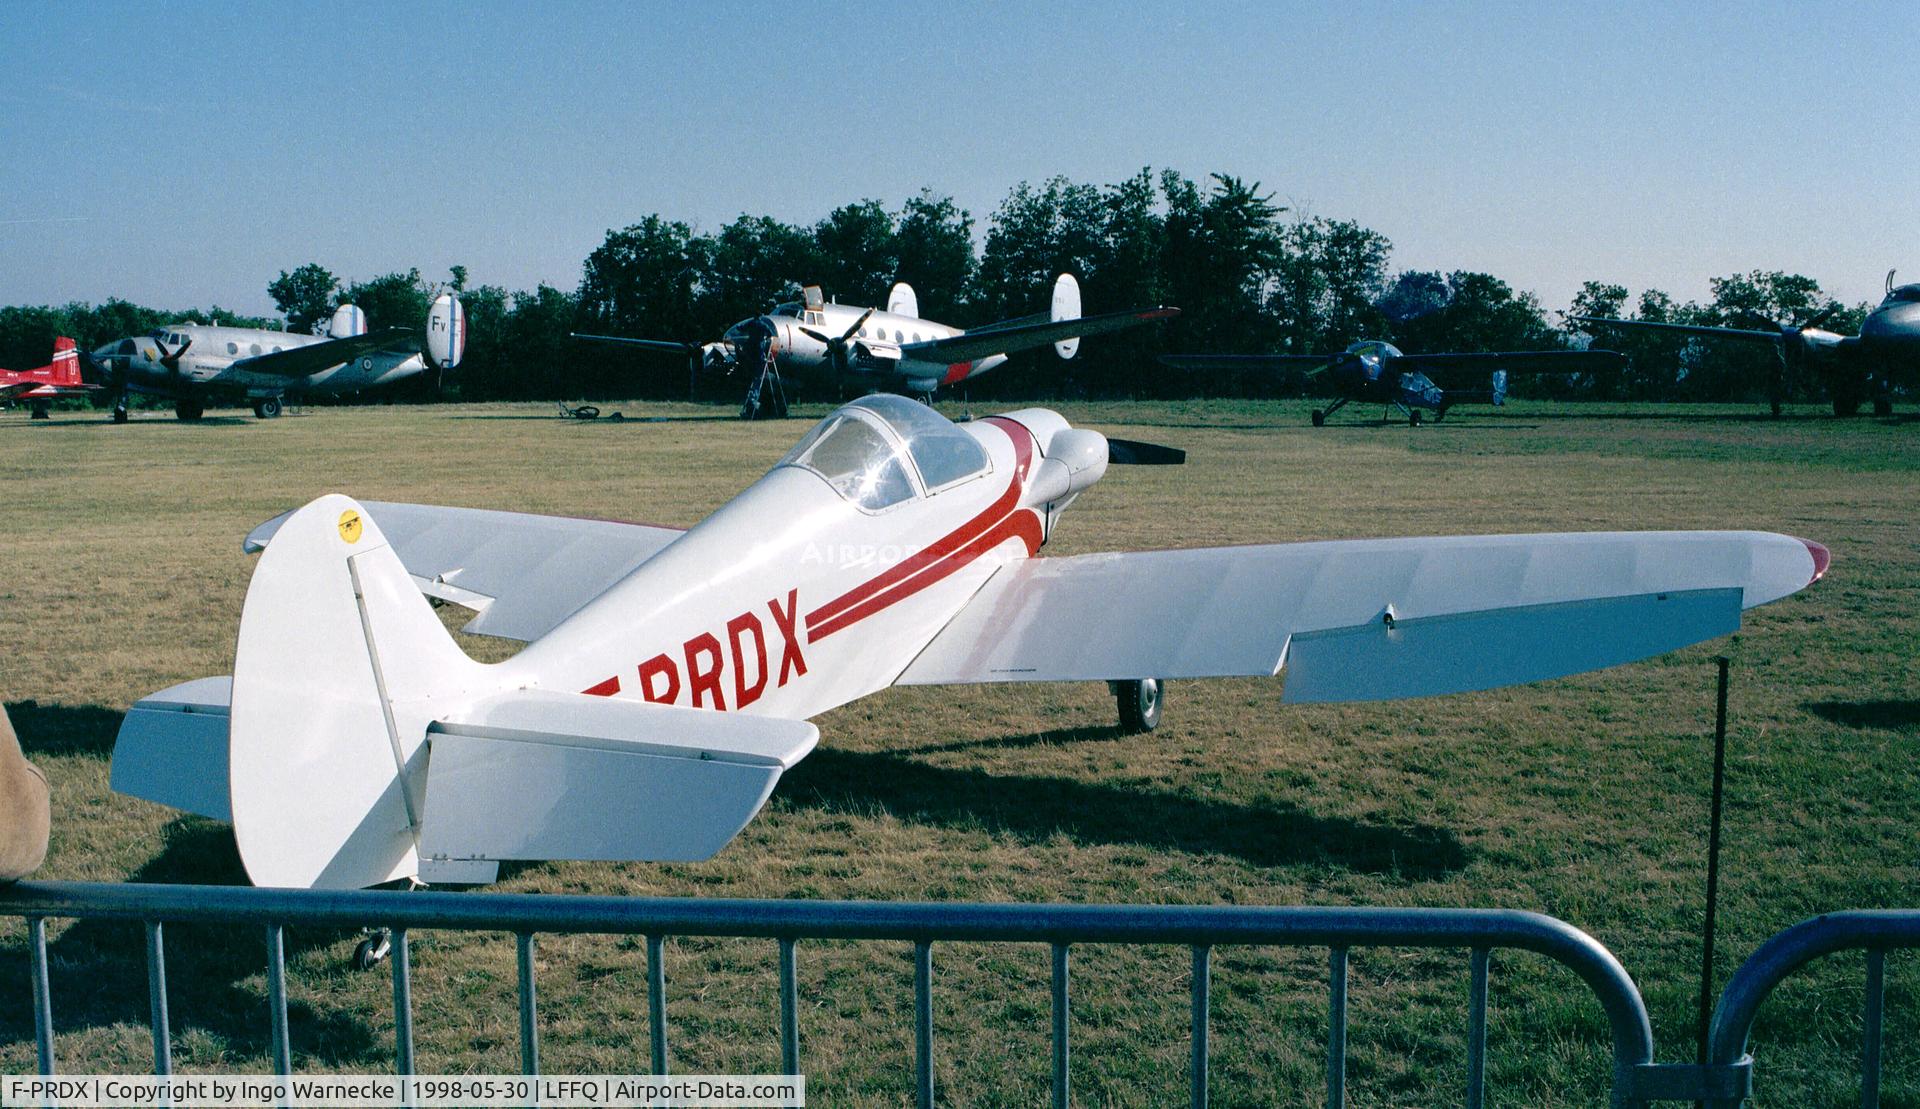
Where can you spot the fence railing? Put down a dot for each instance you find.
(1635, 1078)
(1875, 931)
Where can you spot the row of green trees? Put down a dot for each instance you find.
(1249, 276)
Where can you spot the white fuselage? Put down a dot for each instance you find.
(791, 599)
(207, 363)
(874, 347)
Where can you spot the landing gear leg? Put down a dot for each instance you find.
(374, 949)
(1320, 416)
(1139, 701)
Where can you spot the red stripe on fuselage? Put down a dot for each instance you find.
(946, 555)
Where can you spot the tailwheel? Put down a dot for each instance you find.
(373, 950)
(1140, 702)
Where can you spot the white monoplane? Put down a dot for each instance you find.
(669, 675)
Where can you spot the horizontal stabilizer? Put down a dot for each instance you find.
(1378, 661)
(172, 748)
(521, 572)
(539, 775)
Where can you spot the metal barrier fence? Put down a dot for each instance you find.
(1635, 1078)
(1875, 931)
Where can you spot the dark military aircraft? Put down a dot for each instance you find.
(1375, 371)
(1854, 368)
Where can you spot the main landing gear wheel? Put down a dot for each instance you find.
(373, 950)
(120, 414)
(40, 411)
(1413, 418)
(189, 409)
(267, 407)
(1882, 406)
(1319, 418)
(1140, 702)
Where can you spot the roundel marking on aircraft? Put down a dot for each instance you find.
(366, 363)
(350, 526)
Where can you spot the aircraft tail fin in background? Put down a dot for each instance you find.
(1066, 306)
(902, 301)
(66, 362)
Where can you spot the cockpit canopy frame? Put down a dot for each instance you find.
(882, 451)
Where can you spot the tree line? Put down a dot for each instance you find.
(1249, 275)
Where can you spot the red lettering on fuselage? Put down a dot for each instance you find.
(790, 657)
(747, 624)
(706, 662)
(659, 666)
(704, 681)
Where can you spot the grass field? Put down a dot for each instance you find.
(1585, 798)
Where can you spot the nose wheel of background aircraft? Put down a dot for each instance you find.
(1140, 701)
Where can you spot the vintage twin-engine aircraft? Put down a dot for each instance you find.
(41, 386)
(193, 363)
(895, 349)
(668, 676)
(1854, 368)
(1376, 371)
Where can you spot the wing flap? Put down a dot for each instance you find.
(305, 361)
(522, 573)
(1223, 611)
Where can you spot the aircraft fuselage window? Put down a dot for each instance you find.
(899, 338)
(255, 348)
(916, 336)
(233, 348)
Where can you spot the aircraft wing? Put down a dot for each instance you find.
(1686, 329)
(1513, 362)
(644, 344)
(1366, 619)
(308, 360)
(969, 346)
(1244, 361)
(522, 573)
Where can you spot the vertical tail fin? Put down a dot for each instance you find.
(66, 362)
(340, 667)
(1066, 306)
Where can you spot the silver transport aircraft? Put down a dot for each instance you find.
(1856, 369)
(893, 349)
(197, 363)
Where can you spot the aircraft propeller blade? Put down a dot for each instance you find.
(172, 361)
(837, 346)
(857, 325)
(1132, 452)
(1821, 317)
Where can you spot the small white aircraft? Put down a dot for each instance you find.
(668, 676)
(193, 363)
(872, 349)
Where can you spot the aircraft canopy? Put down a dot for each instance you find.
(883, 449)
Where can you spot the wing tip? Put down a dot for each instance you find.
(1822, 558)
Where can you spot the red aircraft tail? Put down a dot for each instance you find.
(66, 362)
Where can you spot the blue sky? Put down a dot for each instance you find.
(184, 154)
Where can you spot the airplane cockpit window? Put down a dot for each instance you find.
(860, 461)
(942, 453)
(1905, 294)
(790, 308)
